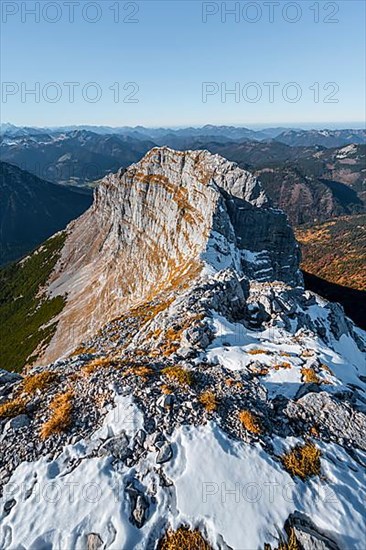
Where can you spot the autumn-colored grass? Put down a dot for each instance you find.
(12, 408)
(183, 539)
(208, 400)
(282, 366)
(302, 461)
(167, 390)
(258, 352)
(172, 337)
(179, 375)
(307, 353)
(309, 376)
(314, 432)
(143, 371)
(327, 369)
(60, 419)
(83, 349)
(96, 364)
(250, 422)
(39, 381)
(230, 382)
(291, 543)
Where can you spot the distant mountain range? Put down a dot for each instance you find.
(31, 210)
(289, 136)
(74, 158)
(312, 183)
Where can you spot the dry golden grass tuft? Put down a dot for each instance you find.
(39, 381)
(97, 363)
(142, 371)
(314, 432)
(167, 390)
(307, 353)
(172, 337)
(12, 408)
(282, 366)
(82, 349)
(179, 375)
(291, 544)
(327, 369)
(60, 419)
(259, 352)
(231, 383)
(309, 376)
(303, 461)
(250, 422)
(208, 400)
(183, 539)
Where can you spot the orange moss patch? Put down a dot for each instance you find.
(60, 419)
(183, 539)
(250, 422)
(39, 381)
(12, 408)
(208, 400)
(303, 461)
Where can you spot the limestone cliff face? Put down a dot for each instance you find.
(158, 224)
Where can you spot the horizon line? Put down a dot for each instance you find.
(291, 125)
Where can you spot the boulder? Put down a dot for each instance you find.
(308, 535)
(93, 541)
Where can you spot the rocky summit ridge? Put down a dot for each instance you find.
(161, 221)
(201, 394)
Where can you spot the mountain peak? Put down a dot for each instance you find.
(152, 223)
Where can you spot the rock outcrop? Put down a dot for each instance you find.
(157, 225)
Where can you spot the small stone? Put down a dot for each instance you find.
(140, 437)
(20, 421)
(117, 447)
(9, 505)
(165, 453)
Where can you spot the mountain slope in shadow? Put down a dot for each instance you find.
(31, 210)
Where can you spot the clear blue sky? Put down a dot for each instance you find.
(170, 52)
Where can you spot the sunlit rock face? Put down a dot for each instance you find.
(160, 222)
